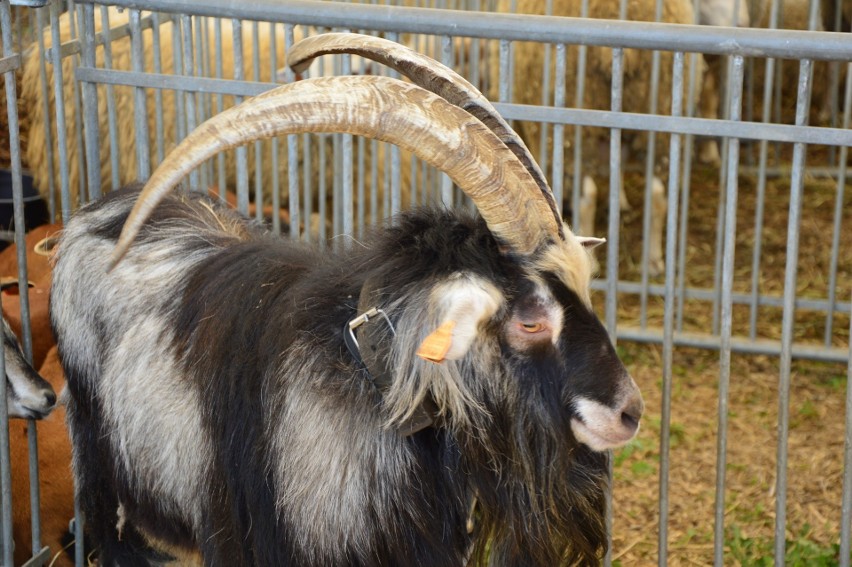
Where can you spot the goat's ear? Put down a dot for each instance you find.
(590, 241)
(463, 303)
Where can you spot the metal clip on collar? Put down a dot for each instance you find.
(359, 320)
(372, 354)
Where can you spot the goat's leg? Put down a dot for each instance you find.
(708, 148)
(659, 207)
(115, 542)
(588, 210)
(588, 206)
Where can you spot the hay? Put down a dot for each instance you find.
(815, 459)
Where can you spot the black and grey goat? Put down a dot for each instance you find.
(270, 404)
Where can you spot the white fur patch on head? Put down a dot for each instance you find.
(572, 262)
(451, 312)
(462, 303)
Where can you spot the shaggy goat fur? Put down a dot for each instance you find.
(213, 406)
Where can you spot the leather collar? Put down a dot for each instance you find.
(366, 337)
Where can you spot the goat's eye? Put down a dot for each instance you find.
(532, 327)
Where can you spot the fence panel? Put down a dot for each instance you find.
(722, 199)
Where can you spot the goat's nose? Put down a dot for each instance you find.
(50, 398)
(632, 412)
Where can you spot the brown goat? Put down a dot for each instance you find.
(38, 274)
(38, 264)
(55, 481)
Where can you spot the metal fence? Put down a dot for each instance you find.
(707, 255)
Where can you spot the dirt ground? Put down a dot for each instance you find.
(816, 406)
(815, 453)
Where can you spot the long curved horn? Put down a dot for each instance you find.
(386, 109)
(432, 76)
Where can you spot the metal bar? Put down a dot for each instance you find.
(694, 61)
(573, 116)
(140, 109)
(45, 109)
(157, 53)
(546, 92)
(201, 63)
(112, 117)
(336, 212)
(258, 145)
(612, 246)
(761, 197)
(77, 112)
(579, 102)
(374, 180)
(347, 176)
(846, 494)
(241, 151)
(668, 310)
(557, 180)
(649, 178)
(706, 294)
(189, 97)
(752, 42)
(614, 189)
(73, 47)
(838, 210)
(765, 347)
(177, 70)
(292, 162)
(18, 212)
(10, 63)
(38, 559)
(788, 320)
(91, 120)
(395, 159)
(361, 186)
(730, 224)
(677, 125)
(59, 97)
(219, 102)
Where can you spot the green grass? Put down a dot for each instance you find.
(760, 551)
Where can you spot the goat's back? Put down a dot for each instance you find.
(128, 403)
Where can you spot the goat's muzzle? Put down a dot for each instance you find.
(601, 426)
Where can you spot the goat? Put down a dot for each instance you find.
(38, 263)
(56, 485)
(267, 403)
(38, 242)
(28, 395)
(42, 336)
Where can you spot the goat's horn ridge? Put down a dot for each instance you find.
(386, 109)
(432, 76)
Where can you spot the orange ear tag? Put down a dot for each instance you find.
(436, 346)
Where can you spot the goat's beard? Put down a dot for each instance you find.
(540, 493)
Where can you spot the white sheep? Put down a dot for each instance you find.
(637, 78)
(32, 95)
